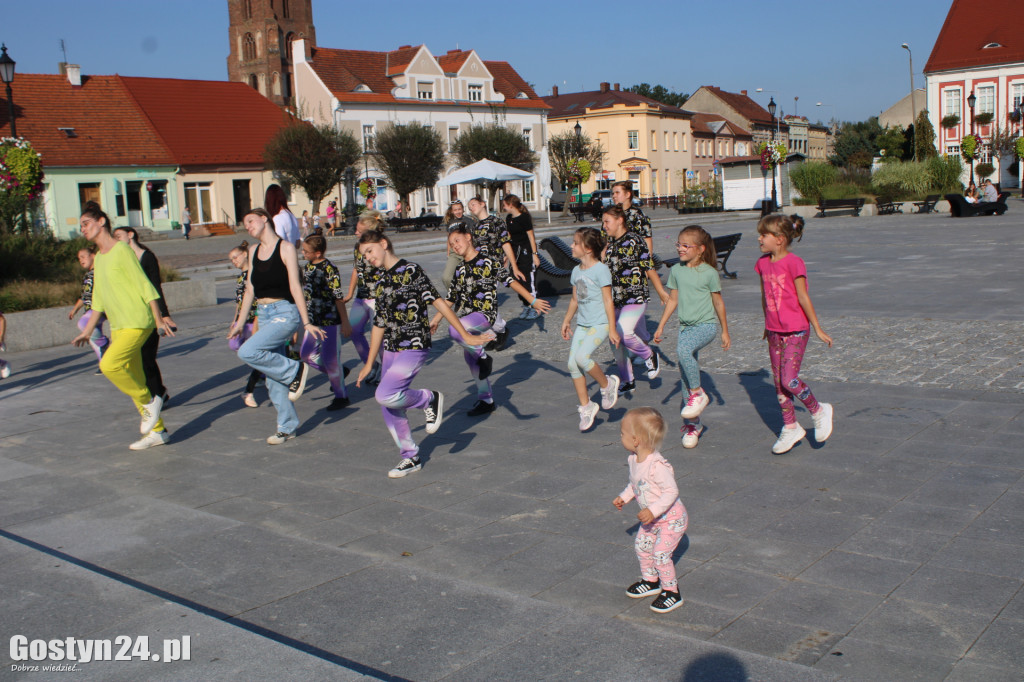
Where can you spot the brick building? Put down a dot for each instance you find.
(260, 33)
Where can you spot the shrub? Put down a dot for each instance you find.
(811, 179)
(902, 180)
(43, 257)
(31, 295)
(984, 169)
(983, 119)
(169, 274)
(843, 190)
(945, 173)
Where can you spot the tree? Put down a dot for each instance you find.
(314, 157)
(659, 93)
(21, 183)
(566, 148)
(855, 143)
(494, 142)
(411, 156)
(892, 144)
(925, 139)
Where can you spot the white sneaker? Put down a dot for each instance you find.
(787, 439)
(695, 405)
(653, 366)
(610, 393)
(823, 422)
(691, 434)
(587, 414)
(279, 438)
(5, 369)
(151, 440)
(150, 414)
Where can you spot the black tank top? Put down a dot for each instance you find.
(270, 276)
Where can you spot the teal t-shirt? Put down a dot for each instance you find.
(695, 286)
(588, 284)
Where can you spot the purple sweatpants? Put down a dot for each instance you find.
(395, 397)
(475, 323)
(626, 319)
(325, 356)
(361, 319)
(97, 341)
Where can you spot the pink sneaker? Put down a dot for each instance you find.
(691, 434)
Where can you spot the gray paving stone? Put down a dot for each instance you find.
(977, 592)
(859, 572)
(926, 628)
(967, 671)
(928, 517)
(893, 542)
(728, 588)
(856, 659)
(982, 556)
(764, 554)
(1000, 644)
(1001, 521)
(972, 487)
(815, 528)
(820, 607)
(778, 640)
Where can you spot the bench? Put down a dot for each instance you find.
(724, 246)
(886, 206)
(961, 208)
(418, 223)
(551, 280)
(559, 252)
(854, 205)
(928, 205)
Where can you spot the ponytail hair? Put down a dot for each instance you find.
(372, 219)
(376, 237)
(93, 210)
(513, 200)
(700, 236)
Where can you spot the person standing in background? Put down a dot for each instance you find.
(186, 221)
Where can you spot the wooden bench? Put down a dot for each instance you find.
(724, 246)
(854, 205)
(581, 212)
(928, 205)
(886, 206)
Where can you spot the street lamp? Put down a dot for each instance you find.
(579, 151)
(971, 101)
(771, 112)
(7, 75)
(913, 106)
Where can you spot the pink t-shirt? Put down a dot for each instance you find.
(782, 307)
(652, 482)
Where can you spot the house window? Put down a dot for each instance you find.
(683, 137)
(429, 195)
(368, 138)
(528, 191)
(249, 46)
(741, 149)
(425, 91)
(986, 100)
(666, 142)
(985, 154)
(654, 141)
(633, 140)
(952, 102)
(528, 137)
(1018, 94)
(247, 9)
(675, 141)
(952, 150)
(453, 134)
(476, 93)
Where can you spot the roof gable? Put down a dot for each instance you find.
(576, 103)
(742, 104)
(969, 28)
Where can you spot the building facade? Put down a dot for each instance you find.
(715, 138)
(975, 55)
(362, 91)
(260, 34)
(741, 109)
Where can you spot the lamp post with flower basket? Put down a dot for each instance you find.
(971, 101)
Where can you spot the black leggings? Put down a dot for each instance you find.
(524, 261)
(154, 382)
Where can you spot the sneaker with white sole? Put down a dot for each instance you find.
(532, 314)
(587, 414)
(642, 588)
(486, 364)
(787, 439)
(406, 467)
(691, 434)
(5, 369)
(666, 601)
(695, 404)
(626, 387)
(151, 440)
(524, 312)
(298, 384)
(279, 438)
(434, 413)
(150, 414)
(823, 422)
(610, 393)
(250, 400)
(653, 366)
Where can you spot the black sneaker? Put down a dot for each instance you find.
(298, 384)
(481, 408)
(434, 412)
(642, 588)
(667, 601)
(338, 404)
(502, 338)
(627, 387)
(653, 366)
(486, 362)
(405, 467)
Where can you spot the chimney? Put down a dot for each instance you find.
(743, 92)
(404, 47)
(74, 73)
(554, 91)
(616, 87)
(604, 87)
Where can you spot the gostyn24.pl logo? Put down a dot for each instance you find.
(67, 653)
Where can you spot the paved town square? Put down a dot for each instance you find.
(893, 551)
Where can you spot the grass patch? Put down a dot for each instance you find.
(34, 294)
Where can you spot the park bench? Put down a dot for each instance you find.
(551, 280)
(418, 223)
(961, 208)
(854, 205)
(886, 206)
(724, 246)
(928, 205)
(581, 212)
(561, 253)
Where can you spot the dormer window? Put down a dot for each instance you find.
(425, 91)
(68, 132)
(476, 93)
(362, 87)
(991, 45)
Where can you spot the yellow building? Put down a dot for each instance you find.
(643, 140)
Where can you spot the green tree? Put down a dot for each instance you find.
(925, 138)
(892, 144)
(21, 177)
(494, 142)
(314, 157)
(567, 147)
(411, 156)
(659, 93)
(856, 143)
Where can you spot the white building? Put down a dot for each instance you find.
(978, 51)
(361, 91)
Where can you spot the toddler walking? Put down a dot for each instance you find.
(662, 515)
(697, 293)
(788, 316)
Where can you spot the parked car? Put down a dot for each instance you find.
(605, 196)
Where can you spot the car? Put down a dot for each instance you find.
(605, 195)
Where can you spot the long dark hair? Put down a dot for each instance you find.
(513, 200)
(133, 233)
(275, 200)
(93, 210)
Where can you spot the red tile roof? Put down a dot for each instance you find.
(343, 70)
(121, 121)
(746, 107)
(969, 26)
(575, 103)
(704, 123)
(453, 60)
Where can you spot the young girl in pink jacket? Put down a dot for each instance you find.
(662, 515)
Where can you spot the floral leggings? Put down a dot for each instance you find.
(786, 351)
(655, 543)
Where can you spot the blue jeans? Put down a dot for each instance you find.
(264, 351)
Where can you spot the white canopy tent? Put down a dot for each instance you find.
(482, 171)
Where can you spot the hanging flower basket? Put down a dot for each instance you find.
(1018, 147)
(950, 121)
(983, 119)
(771, 154)
(969, 147)
(21, 170)
(579, 170)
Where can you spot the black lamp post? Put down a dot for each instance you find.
(771, 112)
(7, 75)
(1020, 133)
(579, 151)
(351, 213)
(971, 101)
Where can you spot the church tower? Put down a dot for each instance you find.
(261, 34)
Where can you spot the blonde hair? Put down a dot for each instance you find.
(647, 425)
(372, 219)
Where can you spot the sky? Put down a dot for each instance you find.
(846, 55)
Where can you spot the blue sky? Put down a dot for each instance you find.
(845, 54)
